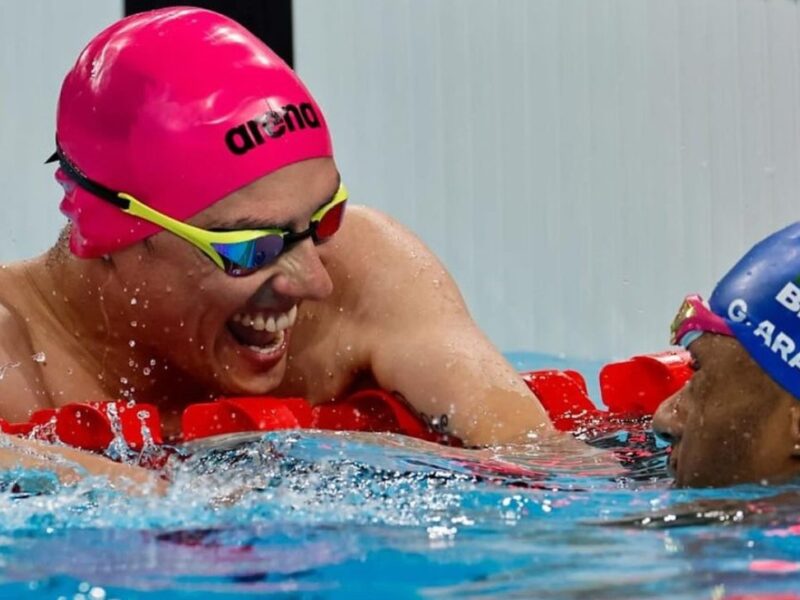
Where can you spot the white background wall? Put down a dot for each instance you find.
(39, 42)
(579, 165)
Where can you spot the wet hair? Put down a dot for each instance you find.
(58, 254)
(60, 251)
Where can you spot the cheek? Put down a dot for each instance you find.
(723, 439)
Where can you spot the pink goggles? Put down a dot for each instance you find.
(695, 318)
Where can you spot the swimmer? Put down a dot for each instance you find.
(738, 418)
(212, 250)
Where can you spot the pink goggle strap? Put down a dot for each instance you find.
(695, 318)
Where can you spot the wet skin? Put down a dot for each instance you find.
(731, 423)
(160, 323)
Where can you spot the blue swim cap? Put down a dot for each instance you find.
(759, 298)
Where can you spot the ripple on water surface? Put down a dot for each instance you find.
(344, 515)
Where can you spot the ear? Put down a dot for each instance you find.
(794, 415)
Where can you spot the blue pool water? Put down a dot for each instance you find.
(310, 515)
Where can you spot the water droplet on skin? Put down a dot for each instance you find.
(123, 380)
(6, 367)
(134, 324)
(146, 370)
(152, 362)
(133, 301)
(39, 357)
(132, 343)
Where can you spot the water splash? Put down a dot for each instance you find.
(348, 514)
(118, 449)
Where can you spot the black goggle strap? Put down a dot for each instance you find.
(90, 186)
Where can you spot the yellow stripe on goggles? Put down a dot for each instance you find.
(238, 253)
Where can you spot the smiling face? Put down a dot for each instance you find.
(731, 423)
(230, 333)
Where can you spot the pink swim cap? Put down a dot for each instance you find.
(178, 107)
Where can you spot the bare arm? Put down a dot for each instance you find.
(425, 345)
(21, 392)
(22, 389)
(71, 465)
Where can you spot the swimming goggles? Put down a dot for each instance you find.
(695, 318)
(238, 253)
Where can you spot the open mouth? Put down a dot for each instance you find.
(262, 332)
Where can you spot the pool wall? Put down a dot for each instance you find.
(579, 166)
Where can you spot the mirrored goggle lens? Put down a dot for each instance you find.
(330, 222)
(246, 257)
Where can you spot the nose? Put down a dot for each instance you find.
(669, 418)
(302, 274)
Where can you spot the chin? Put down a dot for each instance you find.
(237, 381)
(707, 480)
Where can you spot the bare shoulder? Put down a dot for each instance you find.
(21, 383)
(386, 264)
(367, 227)
(14, 338)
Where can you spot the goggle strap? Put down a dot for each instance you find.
(179, 228)
(87, 184)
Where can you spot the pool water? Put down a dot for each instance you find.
(312, 515)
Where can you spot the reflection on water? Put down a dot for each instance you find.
(366, 515)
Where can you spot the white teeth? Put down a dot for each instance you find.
(271, 347)
(264, 322)
(283, 322)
